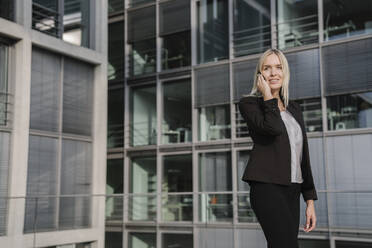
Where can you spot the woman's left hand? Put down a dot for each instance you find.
(310, 216)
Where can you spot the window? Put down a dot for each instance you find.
(4, 169)
(177, 178)
(4, 95)
(347, 18)
(214, 123)
(216, 237)
(312, 114)
(175, 32)
(115, 122)
(177, 112)
(66, 19)
(143, 120)
(352, 244)
(312, 243)
(115, 6)
(215, 176)
(142, 189)
(7, 9)
(297, 23)
(179, 240)
(59, 166)
(113, 239)
(116, 52)
(213, 30)
(252, 30)
(145, 240)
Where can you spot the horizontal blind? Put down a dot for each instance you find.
(347, 67)
(243, 76)
(45, 90)
(212, 85)
(77, 97)
(41, 180)
(141, 24)
(4, 168)
(174, 16)
(305, 74)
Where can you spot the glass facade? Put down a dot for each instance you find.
(3, 84)
(7, 9)
(186, 145)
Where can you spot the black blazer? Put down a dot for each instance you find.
(270, 158)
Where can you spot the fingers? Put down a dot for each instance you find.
(310, 223)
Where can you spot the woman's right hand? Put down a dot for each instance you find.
(263, 86)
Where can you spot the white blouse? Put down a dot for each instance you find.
(295, 140)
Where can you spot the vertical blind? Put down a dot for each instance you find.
(45, 90)
(4, 168)
(305, 74)
(212, 85)
(174, 16)
(347, 67)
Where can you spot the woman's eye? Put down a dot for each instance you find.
(266, 68)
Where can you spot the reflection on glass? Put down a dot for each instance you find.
(142, 208)
(114, 208)
(177, 208)
(177, 112)
(310, 243)
(214, 123)
(312, 114)
(114, 239)
(213, 30)
(45, 16)
(297, 23)
(143, 57)
(215, 171)
(177, 240)
(215, 208)
(241, 126)
(114, 178)
(115, 6)
(242, 160)
(349, 111)
(115, 66)
(115, 118)
(76, 23)
(143, 175)
(177, 173)
(3, 84)
(252, 31)
(347, 18)
(245, 211)
(176, 50)
(133, 3)
(352, 244)
(141, 240)
(143, 116)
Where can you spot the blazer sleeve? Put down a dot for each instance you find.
(266, 122)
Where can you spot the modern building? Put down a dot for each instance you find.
(177, 145)
(53, 115)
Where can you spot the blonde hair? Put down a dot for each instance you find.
(284, 90)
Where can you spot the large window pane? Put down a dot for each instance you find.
(142, 208)
(251, 238)
(142, 57)
(114, 178)
(349, 162)
(171, 240)
(76, 22)
(143, 175)
(176, 50)
(349, 111)
(41, 180)
(177, 208)
(115, 51)
(177, 175)
(216, 238)
(45, 90)
(312, 114)
(314, 243)
(252, 31)
(242, 160)
(7, 9)
(215, 171)
(177, 112)
(76, 178)
(214, 123)
(77, 97)
(4, 168)
(141, 240)
(115, 122)
(213, 30)
(141, 24)
(297, 23)
(352, 244)
(45, 16)
(143, 116)
(113, 239)
(3, 83)
(215, 208)
(115, 6)
(245, 211)
(347, 18)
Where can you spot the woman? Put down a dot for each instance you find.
(278, 170)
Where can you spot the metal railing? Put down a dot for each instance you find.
(46, 20)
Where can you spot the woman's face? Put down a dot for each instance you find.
(272, 71)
